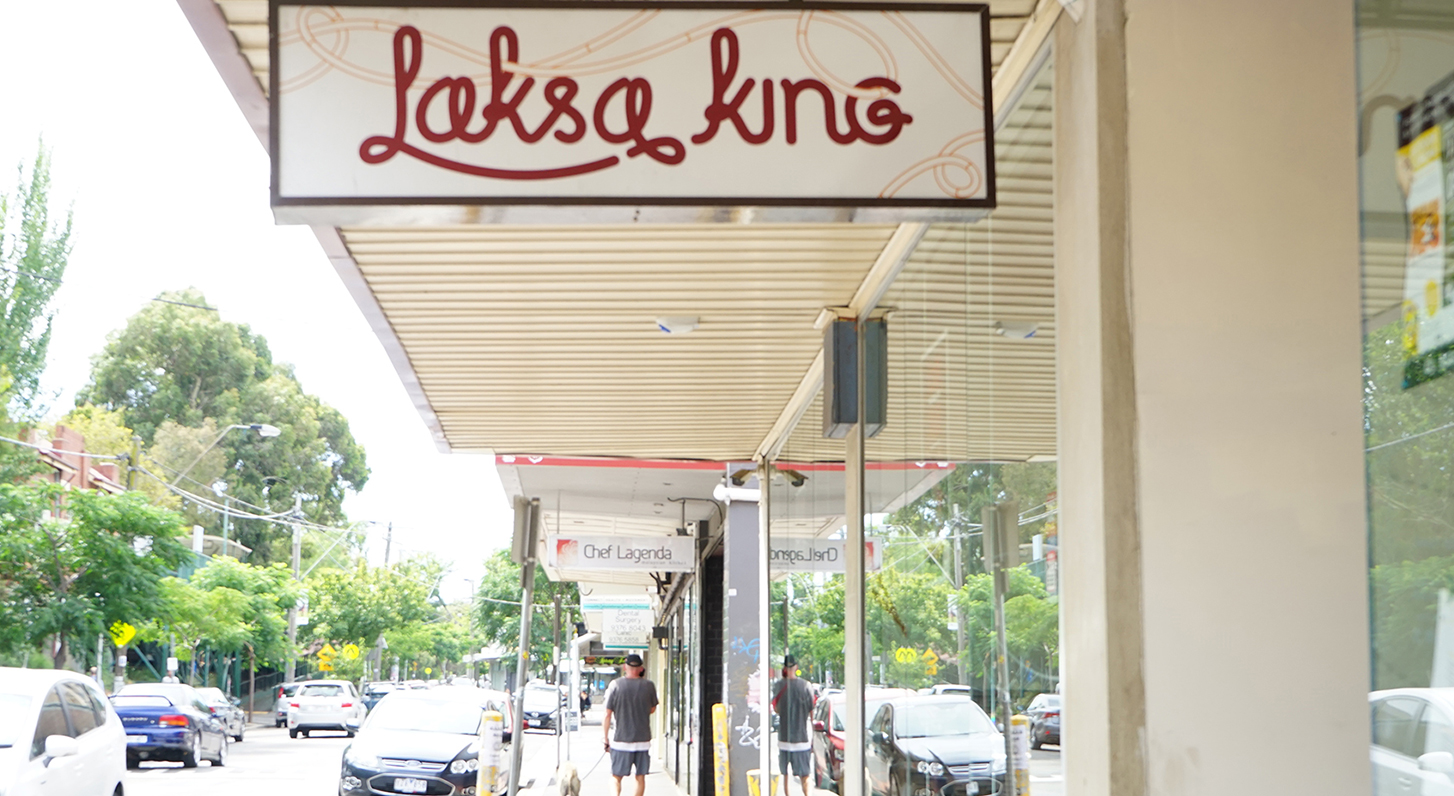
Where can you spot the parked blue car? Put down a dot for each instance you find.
(169, 721)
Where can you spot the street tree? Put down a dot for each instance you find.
(356, 606)
(34, 249)
(499, 599)
(181, 376)
(64, 577)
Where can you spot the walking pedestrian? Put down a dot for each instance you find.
(794, 703)
(630, 700)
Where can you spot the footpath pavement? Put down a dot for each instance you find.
(593, 765)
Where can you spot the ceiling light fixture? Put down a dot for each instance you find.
(677, 324)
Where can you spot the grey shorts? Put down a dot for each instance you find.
(800, 762)
(623, 762)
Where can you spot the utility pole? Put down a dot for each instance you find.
(1002, 552)
(959, 630)
(290, 674)
(388, 542)
(133, 463)
(560, 726)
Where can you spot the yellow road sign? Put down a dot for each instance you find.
(931, 669)
(121, 633)
(905, 655)
(327, 653)
(429, 670)
(325, 666)
(929, 657)
(350, 651)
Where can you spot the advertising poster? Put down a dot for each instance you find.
(1424, 171)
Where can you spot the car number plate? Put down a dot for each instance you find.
(136, 739)
(535, 722)
(410, 785)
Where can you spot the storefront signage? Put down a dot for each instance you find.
(640, 103)
(798, 554)
(1425, 171)
(638, 553)
(625, 620)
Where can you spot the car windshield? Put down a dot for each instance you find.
(381, 688)
(321, 691)
(176, 693)
(940, 717)
(541, 699)
(140, 701)
(212, 696)
(423, 715)
(14, 709)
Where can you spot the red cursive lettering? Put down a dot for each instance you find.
(408, 45)
(724, 69)
(638, 109)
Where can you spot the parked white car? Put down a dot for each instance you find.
(1413, 741)
(58, 736)
(325, 705)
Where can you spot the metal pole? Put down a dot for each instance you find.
(959, 631)
(527, 602)
(290, 674)
(1001, 527)
(226, 520)
(555, 667)
(764, 628)
(133, 463)
(854, 625)
(100, 657)
(251, 680)
(388, 542)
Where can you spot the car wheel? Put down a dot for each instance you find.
(221, 759)
(307, 733)
(193, 754)
(292, 732)
(279, 723)
(1037, 741)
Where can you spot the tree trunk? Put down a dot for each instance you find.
(62, 652)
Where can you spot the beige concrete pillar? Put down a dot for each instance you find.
(1213, 539)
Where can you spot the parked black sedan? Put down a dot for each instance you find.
(425, 743)
(169, 721)
(934, 746)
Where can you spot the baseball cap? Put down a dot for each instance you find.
(634, 660)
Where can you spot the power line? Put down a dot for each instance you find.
(58, 451)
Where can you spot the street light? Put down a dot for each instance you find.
(263, 429)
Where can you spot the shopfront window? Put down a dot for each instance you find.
(970, 423)
(1406, 162)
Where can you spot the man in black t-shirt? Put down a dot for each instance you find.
(630, 700)
(794, 703)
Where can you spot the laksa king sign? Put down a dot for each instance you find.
(654, 103)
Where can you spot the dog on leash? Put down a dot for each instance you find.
(568, 780)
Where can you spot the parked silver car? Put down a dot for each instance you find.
(226, 710)
(280, 707)
(1413, 741)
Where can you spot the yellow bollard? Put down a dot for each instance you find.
(721, 780)
(754, 786)
(1020, 753)
(491, 742)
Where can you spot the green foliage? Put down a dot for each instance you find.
(357, 606)
(263, 595)
(182, 375)
(33, 254)
(71, 577)
(498, 603)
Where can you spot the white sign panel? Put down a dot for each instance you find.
(641, 103)
(638, 553)
(797, 554)
(625, 621)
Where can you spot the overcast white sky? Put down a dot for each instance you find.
(170, 190)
